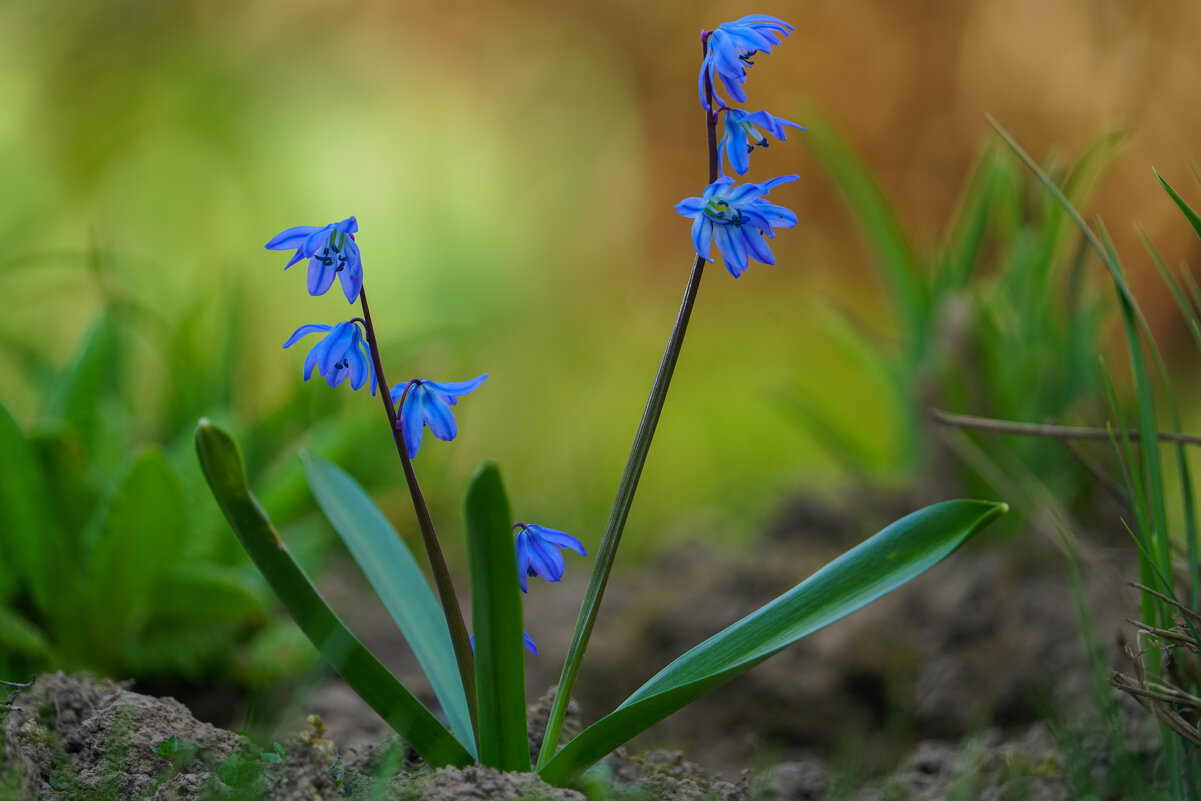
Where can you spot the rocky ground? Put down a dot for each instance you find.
(67, 738)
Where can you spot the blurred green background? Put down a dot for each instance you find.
(513, 168)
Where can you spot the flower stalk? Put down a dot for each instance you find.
(633, 470)
(446, 590)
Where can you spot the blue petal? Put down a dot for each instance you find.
(304, 330)
(321, 276)
(352, 283)
(317, 240)
(559, 539)
(457, 388)
(690, 206)
(412, 423)
(529, 643)
(757, 245)
(291, 238)
(523, 559)
(397, 391)
(702, 233)
(310, 362)
(438, 416)
(359, 369)
(769, 185)
(732, 255)
(348, 226)
(336, 346)
(545, 560)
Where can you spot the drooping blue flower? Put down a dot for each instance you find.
(331, 251)
(742, 135)
(340, 355)
(428, 403)
(737, 218)
(730, 48)
(538, 552)
(526, 640)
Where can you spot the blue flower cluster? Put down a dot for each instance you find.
(737, 218)
(346, 352)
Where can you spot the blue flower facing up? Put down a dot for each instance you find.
(428, 403)
(737, 218)
(742, 135)
(729, 51)
(340, 355)
(526, 640)
(538, 552)
(331, 251)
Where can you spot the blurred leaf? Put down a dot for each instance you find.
(137, 540)
(19, 636)
(64, 465)
(28, 538)
(398, 581)
(1193, 218)
(496, 618)
(226, 474)
(76, 396)
(879, 223)
(899, 553)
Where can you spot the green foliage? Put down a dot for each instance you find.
(226, 474)
(110, 561)
(496, 615)
(894, 556)
(1171, 587)
(397, 580)
(998, 320)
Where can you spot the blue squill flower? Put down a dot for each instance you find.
(331, 251)
(526, 640)
(730, 48)
(742, 135)
(538, 552)
(428, 403)
(737, 218)
(340, 355)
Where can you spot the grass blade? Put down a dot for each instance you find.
(882, 563)
(394, 575)
(496, 617)
(226, 475)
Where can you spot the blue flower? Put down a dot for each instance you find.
(341, 354)
(742, 136)
(428, 403)
(737, 218)
(526, 640)
(538, 552)
(330, 249)
(730, 48)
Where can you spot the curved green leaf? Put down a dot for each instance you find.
(226, 475)
(398, 581)
(882, 563)
(496, 617)
(27, 535)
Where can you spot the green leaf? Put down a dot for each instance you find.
(496, 617)
(136, 542)
(223, 468)
(18, 635)
(880, 225)
(27, 536)
(397, 580)
(1193, 218)
(904, 550)
(77, 394)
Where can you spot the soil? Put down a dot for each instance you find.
(951, 678)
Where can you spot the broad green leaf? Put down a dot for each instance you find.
(19, 636)
(228, 593)
(27, 534)
(135, 542)
(496, 617)
(222, 465)
(73, 498)
(397, 580)
(902, 551)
